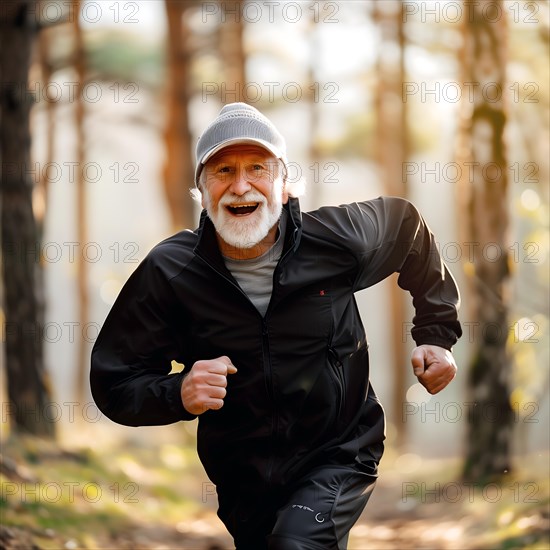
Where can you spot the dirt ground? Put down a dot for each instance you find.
(156, 497)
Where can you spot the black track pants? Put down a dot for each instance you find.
(317, 513)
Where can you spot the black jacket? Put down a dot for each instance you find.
(301, 395)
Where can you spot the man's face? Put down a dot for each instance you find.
(242, 191)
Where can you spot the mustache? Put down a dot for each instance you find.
(251, 196)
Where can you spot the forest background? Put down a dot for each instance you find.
(444, 103)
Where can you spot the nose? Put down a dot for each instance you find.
(241, 183)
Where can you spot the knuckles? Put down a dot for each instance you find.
(204, 387)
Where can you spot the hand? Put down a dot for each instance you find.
(434, 367)
(204, 387)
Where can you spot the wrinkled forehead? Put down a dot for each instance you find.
(242, 151)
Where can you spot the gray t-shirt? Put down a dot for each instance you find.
(255, 276)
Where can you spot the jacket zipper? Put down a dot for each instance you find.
(269, 372)
(267, 362)
(271, 393)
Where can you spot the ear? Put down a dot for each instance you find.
(200, 194)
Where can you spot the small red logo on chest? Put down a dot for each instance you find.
(321, 293)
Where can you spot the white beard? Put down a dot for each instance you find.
(245, 232)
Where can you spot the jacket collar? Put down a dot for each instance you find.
(207, 244)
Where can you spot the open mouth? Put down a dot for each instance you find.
(242, 209)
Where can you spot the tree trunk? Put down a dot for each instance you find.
(28, 389)
(483, 193)
(392, 153)
(83, 355)
(40, 195)
(232, 51)
(178, 169)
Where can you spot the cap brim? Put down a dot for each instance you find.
(237, 141)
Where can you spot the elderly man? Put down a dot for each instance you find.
(258, 304)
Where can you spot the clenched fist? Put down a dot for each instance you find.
(204, 387)
(434, 367)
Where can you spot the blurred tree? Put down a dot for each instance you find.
(314, 107)
(391, 151)
(231, 48)
(28, 388)
(79, 62)
(483, 197)
(182, 46)
(178, 167)
(40, 195)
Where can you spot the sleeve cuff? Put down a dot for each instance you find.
(173, 397)
(437, 335)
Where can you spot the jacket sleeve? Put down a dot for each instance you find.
(131, 358)
(389, 235)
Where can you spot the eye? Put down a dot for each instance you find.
(224, 170)
(256, 170)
